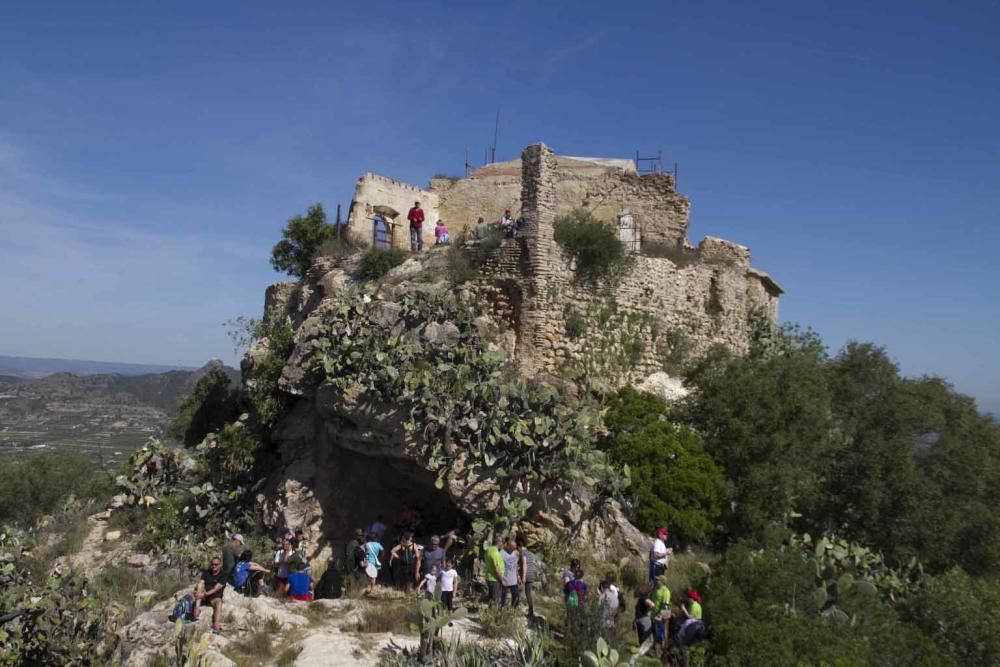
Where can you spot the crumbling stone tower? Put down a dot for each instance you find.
(538, 197)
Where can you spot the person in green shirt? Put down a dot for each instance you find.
(494, 568)
(661, 611)
(693, 607)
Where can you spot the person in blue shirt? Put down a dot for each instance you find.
(248, 576)
(300, 584)
(373, 554)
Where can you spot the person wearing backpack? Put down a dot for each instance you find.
(248, 576)
(575, 593)
(404, 562)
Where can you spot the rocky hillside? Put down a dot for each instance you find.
(406, 392)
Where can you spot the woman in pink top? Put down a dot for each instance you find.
(441, 234)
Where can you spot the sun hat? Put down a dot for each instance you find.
(237, 537)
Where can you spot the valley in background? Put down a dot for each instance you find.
(105, 410)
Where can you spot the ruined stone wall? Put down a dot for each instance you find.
(646, 319)
(464, 201)
(661, 212)
(374, 190)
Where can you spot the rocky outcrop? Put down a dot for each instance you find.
(348, 456)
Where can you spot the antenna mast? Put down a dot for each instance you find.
(496, 131)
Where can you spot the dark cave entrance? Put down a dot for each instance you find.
(359, 488)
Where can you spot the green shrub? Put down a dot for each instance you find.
(593, 244)
(674, 480)
(206, 409)
(39, 484)
(961, 614)
(459, 264)
(302, 238)
(500, 622)
(394, 616)
(576, 323)
(376, 262)
(490, 241)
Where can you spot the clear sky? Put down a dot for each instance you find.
(151, 152)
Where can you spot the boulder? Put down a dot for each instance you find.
(112, 536)
(666, 387)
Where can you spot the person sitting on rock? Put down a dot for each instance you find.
(231, 555)
(507, 223)
(404, 562)
(209, 591)
(300, 583)
(330, 585)
(248, 576)
(441, 234)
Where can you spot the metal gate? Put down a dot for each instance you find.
(628, 232)
(381, 232)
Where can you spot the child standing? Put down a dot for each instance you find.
(449, 584)
(429, 583)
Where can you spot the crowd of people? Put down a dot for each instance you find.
(415, 217)
(509, 568)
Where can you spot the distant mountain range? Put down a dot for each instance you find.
(36, 367)
(110, 413)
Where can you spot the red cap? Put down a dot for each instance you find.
(662, 531)
(693, 594)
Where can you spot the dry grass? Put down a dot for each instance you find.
(394, 617)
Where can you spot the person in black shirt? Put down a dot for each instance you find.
(209, 591)
(643, 614)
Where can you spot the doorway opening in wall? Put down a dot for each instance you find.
(628, 232)
(382, 226)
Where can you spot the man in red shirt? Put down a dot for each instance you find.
(416, 218)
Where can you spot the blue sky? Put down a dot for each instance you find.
(151, 152)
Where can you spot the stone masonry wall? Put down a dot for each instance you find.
(647, 319)
(375, 190)
(660, 211)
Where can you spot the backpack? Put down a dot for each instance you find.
(692, 632)
(576, 589)
(183, 609)
(573, 599)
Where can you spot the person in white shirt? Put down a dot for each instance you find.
(659, 554)
(449, 584)
(607, 605)
(429, 583)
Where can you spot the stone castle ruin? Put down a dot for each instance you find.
(676, 299)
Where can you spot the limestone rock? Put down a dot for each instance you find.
(441, 335)
(112, 536)
(666, 387)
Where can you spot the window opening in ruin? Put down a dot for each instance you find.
(381, 232)
(628, 232)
